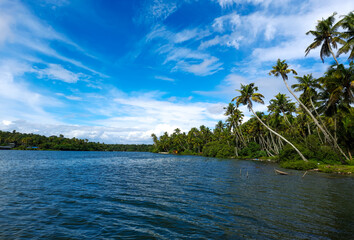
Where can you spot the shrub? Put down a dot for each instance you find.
(187, 152)
(217, 149)
(225, 152)
(250, 150)
(311, 149)
(299, 165)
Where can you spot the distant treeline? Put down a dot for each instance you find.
(24, 141)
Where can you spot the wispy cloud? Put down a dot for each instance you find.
(20, 98)
(57, 72)
(70, 97)
(165, 78)
(190, 60)
(156, 11)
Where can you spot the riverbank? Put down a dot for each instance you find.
(296, 165)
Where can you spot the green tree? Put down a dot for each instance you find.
(281, 69)
(249, 94)
(281, 104)
(347, 23)
(326, 36)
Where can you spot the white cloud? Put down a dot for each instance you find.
(165, 78)
(23, 32)
(57, 72)
(264, 3)
(20, 98)
(207, 66)
(185, 59)
(135, 118)
(156, 11)
(70, 97)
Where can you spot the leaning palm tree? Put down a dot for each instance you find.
(308, 86)
(347, 23)
(281, 69)
(249, 94)
(326, 36)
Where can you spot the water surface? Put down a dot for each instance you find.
(115, 195)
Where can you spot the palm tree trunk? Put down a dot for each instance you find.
(319, 136)
(308, 128)
(315, 120)
(319, 118)
(335, 129)
(297, 150)
(241, 134)
(274, 144)
(286, 118)
(330, 49)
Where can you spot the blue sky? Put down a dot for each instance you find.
(117, 71)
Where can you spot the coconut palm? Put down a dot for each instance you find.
(338, 89)
(307, 85)
(235, 120)
(281, 104)
(249, 94)
(326, 36)
(347, 23)
(281, 69)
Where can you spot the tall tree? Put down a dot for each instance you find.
(326, 36)
(249, 94)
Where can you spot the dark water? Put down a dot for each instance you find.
(111, 195)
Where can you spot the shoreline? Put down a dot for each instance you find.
(323, 168)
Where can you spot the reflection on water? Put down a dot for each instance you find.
(96, 195)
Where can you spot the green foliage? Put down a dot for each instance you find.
(187, 152)
(252, 150)
(24, 141)
(343, 169)
(312, 149)
(217, 149)
(211, 149)
(299, 165)
(225, 152)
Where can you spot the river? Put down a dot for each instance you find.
(121, 195)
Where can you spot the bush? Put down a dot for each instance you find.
(217, 149)
(311, 149)
(187, 152)
(225, 152)
(299, 165)
(250, 150)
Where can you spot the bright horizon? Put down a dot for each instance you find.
(118, 71)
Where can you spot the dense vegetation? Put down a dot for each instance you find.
(318, 128)
(31, 141)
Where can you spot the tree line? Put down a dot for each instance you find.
(24, 141)
(318, 127)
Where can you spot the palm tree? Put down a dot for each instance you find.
(248, 94)
(308, 85)
(235, 120)
(347, 23)
(339, 83)
(326, 35)
(338, 89)
(281, 69)
(281, 104)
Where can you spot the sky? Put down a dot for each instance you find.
(116, 71)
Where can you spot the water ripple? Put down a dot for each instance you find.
(110, 195)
